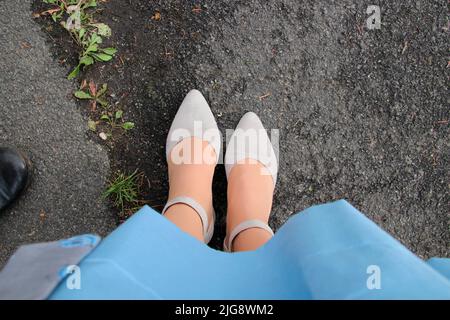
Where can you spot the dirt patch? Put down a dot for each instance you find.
(363, 114)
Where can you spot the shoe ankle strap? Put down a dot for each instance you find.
(227, 244)
(194, 205)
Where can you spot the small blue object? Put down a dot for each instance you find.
(90, 240)
(329, 251)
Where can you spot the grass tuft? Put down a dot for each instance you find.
(123, 190)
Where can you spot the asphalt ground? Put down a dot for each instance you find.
(362, 114)
(38, 116)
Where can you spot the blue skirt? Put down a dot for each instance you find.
(328, 251)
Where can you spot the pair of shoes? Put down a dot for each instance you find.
(14, 175)
(248, 142)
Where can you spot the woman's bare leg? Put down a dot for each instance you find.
(250, 194)
(193, 179)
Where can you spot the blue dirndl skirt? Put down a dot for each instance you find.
(328, 251)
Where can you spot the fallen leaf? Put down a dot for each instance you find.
(405, 46)
(156, 16)
(25, 45)
(261, 98)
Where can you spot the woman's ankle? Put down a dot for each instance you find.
(192, 180)
(250, 195)
(250, 239)
(187, 219)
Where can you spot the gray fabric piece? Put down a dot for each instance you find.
(36, 269)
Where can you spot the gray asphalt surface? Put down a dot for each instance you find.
(357, 109)
(363, 114)
(38, 116)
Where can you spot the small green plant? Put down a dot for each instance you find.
(86, 32)
(93, 94)
(123, 190)
(114, 119)
(91, 52)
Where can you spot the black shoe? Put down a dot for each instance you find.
(14, 175)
